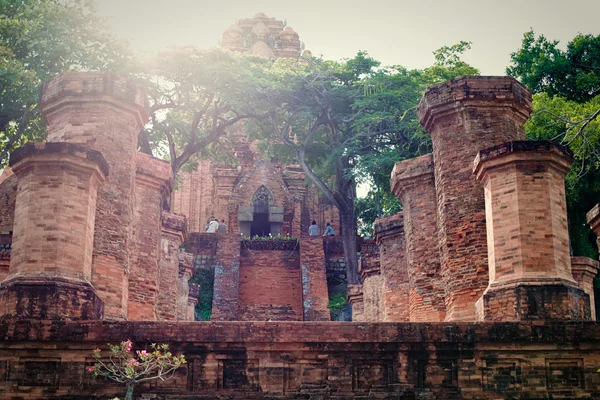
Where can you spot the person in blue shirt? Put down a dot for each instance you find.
(329, 230)
(313, 229)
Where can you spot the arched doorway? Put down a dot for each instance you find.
(261, 200)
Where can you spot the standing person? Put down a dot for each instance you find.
(329, 230)
(313, 229)
(213, 226)
(222, 228)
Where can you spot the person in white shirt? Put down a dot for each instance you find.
(212, 226)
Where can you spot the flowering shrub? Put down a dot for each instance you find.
(123, 366)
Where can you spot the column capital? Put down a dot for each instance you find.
(474, 91)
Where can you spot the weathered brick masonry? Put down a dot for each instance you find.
(464, 116)
(413, 183)
(51, 257)
(323, 360)
(105, 113)
(528, 241)
(389, 235)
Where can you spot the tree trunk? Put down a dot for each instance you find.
(348, 223)
(129, 394)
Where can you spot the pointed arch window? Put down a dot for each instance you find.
(262, 199)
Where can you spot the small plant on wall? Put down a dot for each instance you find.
(124, 366)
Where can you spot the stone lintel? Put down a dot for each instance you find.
(387, 227)
(585, 265)
(373, 269)
(153, 172)
(174, 224)
(58, 152)
(407, 173)
(76, 88)
(593, 219)
(355, 293)
(474, 91)
(522, 152)
(56, 299)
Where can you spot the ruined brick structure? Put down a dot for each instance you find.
(256, 196)
(481, 242)
(483, 233)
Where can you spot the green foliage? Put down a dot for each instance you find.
(123, 366)
(337, 303)
(566, 107)
(39, 39)
(205, 278)
(573, 74)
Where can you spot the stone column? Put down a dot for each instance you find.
(186, 270)
(389, 235)
(355, 298)
(315, 296)
(584, 271)
(464, 116)
(152, 185)
(593, 219)
(53, 233)
(527, 234)
(227, 279)
(372, 292)
(106, 113)
(173, 233)
(413, 184)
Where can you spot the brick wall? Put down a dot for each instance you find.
(528, 239)
(227, 279)
(314, 279)
(173, 231)
(593, 218)
(413, 183)
(8, 194)
(193, 196)
(270, 286)
(389, 235)
(313, 360)
(463, 116)
(52, 243)
(105, 113)
(153, 179)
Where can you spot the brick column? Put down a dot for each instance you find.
(464, 116)
(186, 270)
(372, 292)
(173, 233)
(389, 235)
(528, 241)
(584, 271)
(152, 185)
(105, 113)
(227, 279)
(593, 219)
(413, 184)
(53, 233)
(315, 296)
(355, 298)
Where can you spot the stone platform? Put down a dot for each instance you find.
(313, 360)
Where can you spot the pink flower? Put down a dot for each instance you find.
(91, 369)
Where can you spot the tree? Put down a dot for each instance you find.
(123, 366)
(198, 97)
(566, 109)
(389, 127)
(41, 38)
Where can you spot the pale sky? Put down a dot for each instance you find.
(392, 31)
